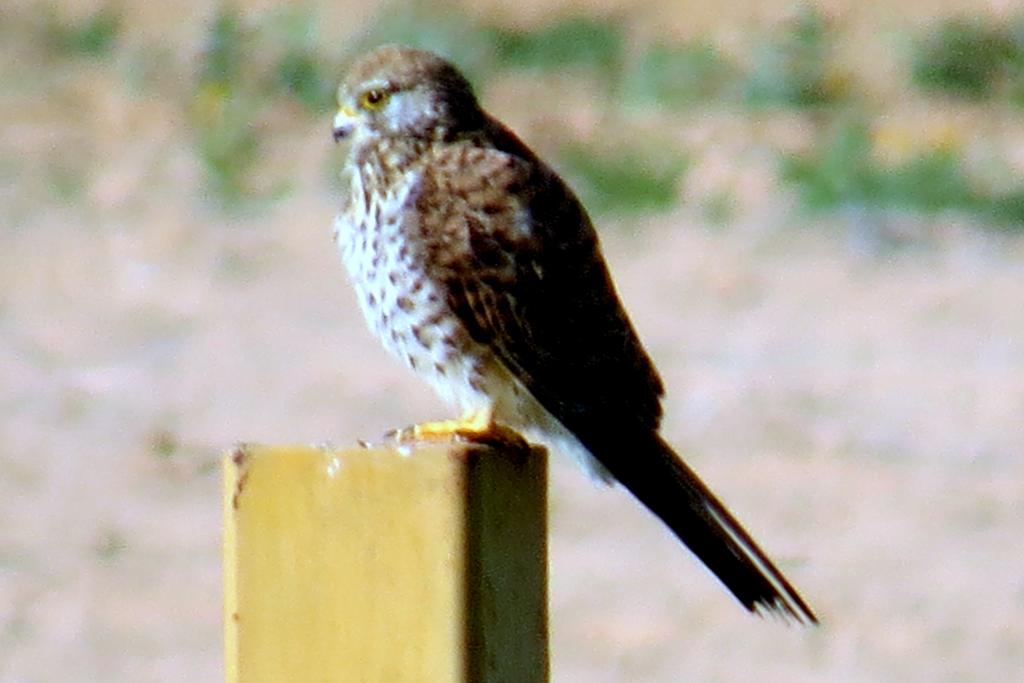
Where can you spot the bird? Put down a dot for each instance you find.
(478, 267)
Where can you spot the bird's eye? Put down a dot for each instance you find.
(373, 99)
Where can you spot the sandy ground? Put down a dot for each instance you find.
(862, 412)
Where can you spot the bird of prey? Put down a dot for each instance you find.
(478, 267)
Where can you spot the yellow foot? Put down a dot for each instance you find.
(471, 426)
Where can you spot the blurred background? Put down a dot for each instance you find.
(814, 213)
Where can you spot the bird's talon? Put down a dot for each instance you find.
(470, 427)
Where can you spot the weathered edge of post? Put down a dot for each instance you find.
(402, 563)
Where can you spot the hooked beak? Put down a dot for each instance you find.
(344, 122)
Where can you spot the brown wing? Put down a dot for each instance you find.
(521, 267)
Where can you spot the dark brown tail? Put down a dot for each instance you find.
(674, 492)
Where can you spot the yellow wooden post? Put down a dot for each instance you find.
(420, 563)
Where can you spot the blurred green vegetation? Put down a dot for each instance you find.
(299, 71)
(794, 67)
(676, 75)
(247, 68)
(222, 110)
(232, 90)
(844, 172)
(95, 37)
(969, 58)
(111, 545)
(624, 180)
(300, 76)
(65, 183)
(571, 41)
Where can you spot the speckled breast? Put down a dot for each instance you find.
(403, 306)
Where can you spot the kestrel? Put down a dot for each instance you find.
(478, 267)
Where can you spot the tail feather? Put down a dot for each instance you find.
(674, 492)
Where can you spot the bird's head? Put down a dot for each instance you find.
(399, 91)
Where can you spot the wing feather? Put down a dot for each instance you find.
(520, 265)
